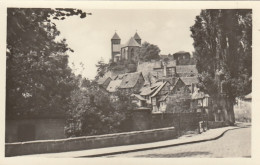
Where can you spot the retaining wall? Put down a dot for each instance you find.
(216, 124)
(89, 142)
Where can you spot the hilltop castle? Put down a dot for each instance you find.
(129, 51)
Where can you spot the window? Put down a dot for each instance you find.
(132, 53)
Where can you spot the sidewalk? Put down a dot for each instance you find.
(211, 134)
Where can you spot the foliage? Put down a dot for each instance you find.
(101, 68)
(223, 51)
(93, 111)
(38, 78)
(149, 52)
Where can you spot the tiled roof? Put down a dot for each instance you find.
(130, 80)
(117, 48)
(102, 80)
(159, 89)
(186, 69)
(150, 89)
(131, 42)
(115, 37)
(190, 80)
(138, 97)
(113, 85)
(136, 36)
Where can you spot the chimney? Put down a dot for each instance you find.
(192, 88)
(173, 71)
(165, 70)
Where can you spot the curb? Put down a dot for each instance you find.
(157, 147)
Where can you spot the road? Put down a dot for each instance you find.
(234, 143)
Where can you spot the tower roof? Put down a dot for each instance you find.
(115, 37)
(136, 36)
(132, 42)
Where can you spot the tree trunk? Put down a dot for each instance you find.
(227, 109)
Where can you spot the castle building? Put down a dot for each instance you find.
(129, 51)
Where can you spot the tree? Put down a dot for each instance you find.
(102, 68)
(149, 52)
(223, 51)
(93, 111)
(38, 79)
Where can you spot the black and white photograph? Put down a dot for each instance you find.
(86, 82)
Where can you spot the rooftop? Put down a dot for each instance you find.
(115, 37)
(130, 80)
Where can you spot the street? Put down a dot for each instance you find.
(234, 143)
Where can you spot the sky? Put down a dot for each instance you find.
(90, 38)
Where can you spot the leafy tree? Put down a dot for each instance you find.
(102, 68)
(38, 78)
(223, 51)
(93, 111)
(149, 52)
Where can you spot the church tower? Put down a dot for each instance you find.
(115, 46)
(137, 38)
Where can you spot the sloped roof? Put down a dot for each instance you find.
(102, 80)
(113, 85)
(131, 42)
(150, 89)
(157, 65)
(186, 69)
(117, 48)
(190, 80)
(130, 80)
(136, 36)
(138, 97)
(159, 89)
(115, 37)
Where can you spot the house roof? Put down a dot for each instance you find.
(102, 80)
(132, 42)
(138, 97)
(150, 89)
(186, 69)
(163, 98)
(159, 89)
(113, 85)
(136, 36)
(190, 80)
(130, 80)
(117, 48)
(157, 65)
(115, 37)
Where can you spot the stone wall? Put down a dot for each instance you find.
(89, 142)
(216, 124)
(34, 129)
(144, 120)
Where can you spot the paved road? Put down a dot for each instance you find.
(234, 143)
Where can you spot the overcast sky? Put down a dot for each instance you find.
(90, 38)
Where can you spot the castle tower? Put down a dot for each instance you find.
(115, 46)
(137, 38)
